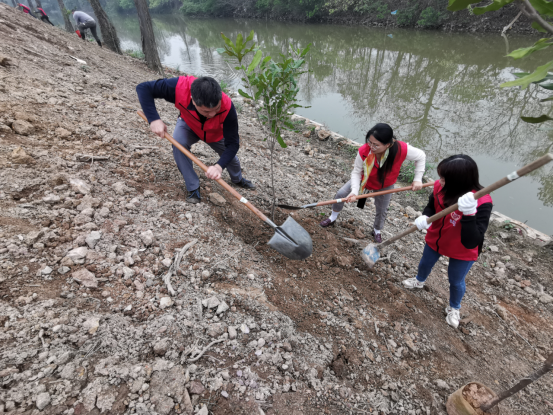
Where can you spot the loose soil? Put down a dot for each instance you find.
(321, 336)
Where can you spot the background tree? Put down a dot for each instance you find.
(32, 6)
(14, 5)
(38, 3)
(109, 34)
(65, 13)
(149, 47)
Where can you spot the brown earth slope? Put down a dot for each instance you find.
(88, 324)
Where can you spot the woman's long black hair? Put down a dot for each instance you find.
(460, 173)
(384, 133)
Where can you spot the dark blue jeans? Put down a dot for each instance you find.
(186, 137)
(457, 271)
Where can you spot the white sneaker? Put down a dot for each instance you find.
(447, 310)
(453, 318)
(413, 283)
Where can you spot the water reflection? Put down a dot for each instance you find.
(439, 91)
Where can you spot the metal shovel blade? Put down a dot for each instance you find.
(370, 255)
(291, 240)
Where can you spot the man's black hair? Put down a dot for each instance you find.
(206, 92)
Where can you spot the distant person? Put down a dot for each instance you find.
(84, 21)
(206, 114)
(44, 16)
(459, 235)
(26, 9)
(376, 168)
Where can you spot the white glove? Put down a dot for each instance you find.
(421, 223)
(467, 204)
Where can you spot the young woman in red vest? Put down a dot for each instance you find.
(460, 235)
(377, 168)
(206, 114)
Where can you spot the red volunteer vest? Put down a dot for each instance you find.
(444, 235)
(25, 8)
(373, 183)
(212, 130)
(42, 12)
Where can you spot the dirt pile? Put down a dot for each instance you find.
(93, 214)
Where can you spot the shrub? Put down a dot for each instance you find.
(430, 18)
(408, 16)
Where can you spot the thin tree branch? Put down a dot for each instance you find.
(532, 14)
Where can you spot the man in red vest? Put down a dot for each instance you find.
(206, 114)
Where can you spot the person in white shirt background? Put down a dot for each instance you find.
(377, 168)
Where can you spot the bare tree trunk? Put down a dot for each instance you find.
(32, 6)
(14, 5)
(64, 13)
(149, 47)
(38, 4)
(109, 34)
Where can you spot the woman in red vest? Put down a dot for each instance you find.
(26, 10)
(44, 16)
(459, 235)
(377, 168)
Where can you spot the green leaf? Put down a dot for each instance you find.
(280, 140)
(245, 95)
(255, 61)
(221, 50)
(239, 42)
(539, 74)
(496, 5)
(227, 41)
(539, 45)
(543, 7)
(304, 52)
(538, 27)
(536, 120)
(547, 85)
(456, 5)
(521, 74)
(267, 59)
(250, 37)
(546, 99)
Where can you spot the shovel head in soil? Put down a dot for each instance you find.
(291, 240)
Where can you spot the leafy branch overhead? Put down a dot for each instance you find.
(536, 11)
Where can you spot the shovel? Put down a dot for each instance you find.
(360, 197)
(371, 253)
(290, 239)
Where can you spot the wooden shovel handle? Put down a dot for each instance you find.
(542, 161)
(384, 192)
(202, 166)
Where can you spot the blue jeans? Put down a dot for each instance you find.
(187, 138)
(457, 271)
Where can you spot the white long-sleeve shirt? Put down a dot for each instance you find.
(413, 154)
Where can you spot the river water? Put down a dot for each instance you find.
(439, 91)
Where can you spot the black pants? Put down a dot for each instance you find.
(92, 26)
(45, 19)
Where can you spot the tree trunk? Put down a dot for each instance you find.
(14, 5)
(109, 34)
(149, 47)
(32, 6)
(38, 4)
(64, 13)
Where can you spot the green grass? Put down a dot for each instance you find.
(137, 54)
(224, 86)
(407, 172)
